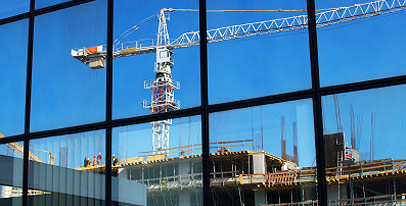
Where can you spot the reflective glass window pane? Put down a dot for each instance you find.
(256, 49)
(13, 7)
(158, 164)
(360, 40)
(364, 138)
(13, 69)
(44, 3)
(68, 170)
(11, 173)
(263, 155)
(150, 80)
(65, 91)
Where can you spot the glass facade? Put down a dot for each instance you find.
(13, 58)
(364, 44)
(167, 177)
(11, 173)
(270, 48)
(363, 141)
(59, 80)
(68, 169)
(140, 81)
(42, 3)
(14, 7)
(251, 146)
(189, 103)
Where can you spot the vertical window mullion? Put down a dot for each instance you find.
(204, 101)
(109, 99)
(317, 110)
(28, 91)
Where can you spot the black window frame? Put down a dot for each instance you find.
(315, 93)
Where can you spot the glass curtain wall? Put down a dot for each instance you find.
(121, 102)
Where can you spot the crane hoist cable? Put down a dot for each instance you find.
(133, 28)
(252, 10)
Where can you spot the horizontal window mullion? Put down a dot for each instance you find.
(305, 94)
(67, 130)
(43, 11)
(16, 138)
(364, 85)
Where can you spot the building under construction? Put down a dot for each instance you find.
(258, 178)
(238, 176)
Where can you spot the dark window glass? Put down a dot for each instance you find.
(263, 155)
(13, 7)
(11, 173)
(360, 40)
(147, 79)
(65, 91)
(44, 3)
(60, 174)
(13, 64)
(364, 140)
(257, 49)
(158, 165)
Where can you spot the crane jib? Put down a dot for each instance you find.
(95, 56)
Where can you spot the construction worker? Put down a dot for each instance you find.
(85, 163)
(94, 161)
(114, 160)
(99, 157)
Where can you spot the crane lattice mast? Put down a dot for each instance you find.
(163, 87)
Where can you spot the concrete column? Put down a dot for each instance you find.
(333, 192)
(260, 197)
(258, 167)
(258, 163)
(184, 195)
(184, 198)
(184, 167)
(123, 173)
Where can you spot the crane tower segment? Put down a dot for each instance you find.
(163, 87)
